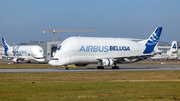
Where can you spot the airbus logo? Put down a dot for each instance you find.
(90, 48)
(94, 48)
(59, 48)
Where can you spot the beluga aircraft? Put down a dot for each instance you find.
(174, 48)
(23, 52)
(171, 54)
(104, 51)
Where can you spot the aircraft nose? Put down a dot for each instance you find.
(42, 60)
(50, 62)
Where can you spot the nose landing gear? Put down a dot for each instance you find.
(67, 68)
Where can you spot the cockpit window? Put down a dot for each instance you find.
(55, 59)
(40, 51)
(59, 48)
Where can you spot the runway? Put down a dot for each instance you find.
(137, 67)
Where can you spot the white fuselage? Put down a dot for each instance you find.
(26, 52)
(88, 49)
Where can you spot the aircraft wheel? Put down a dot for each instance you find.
(67, 68)
(115, 67)
(100, 67)
(29, 62)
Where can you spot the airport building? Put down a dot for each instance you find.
(1, 50)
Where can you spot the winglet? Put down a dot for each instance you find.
(153, 40)
(5, 45)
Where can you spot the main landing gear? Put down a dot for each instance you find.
(29, 61)
(114, 67)
(100, 67)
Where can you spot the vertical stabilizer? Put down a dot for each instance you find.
(152, 40)
(174, 47)
(5, 45)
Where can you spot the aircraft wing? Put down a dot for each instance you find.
(18, 57)
(131, 58)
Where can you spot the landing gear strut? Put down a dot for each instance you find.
(115, 67)
(100, 67)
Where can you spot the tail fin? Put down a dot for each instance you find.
(5, 45)
(174, 47)
(152, 41)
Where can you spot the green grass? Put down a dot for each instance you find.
(83, 86)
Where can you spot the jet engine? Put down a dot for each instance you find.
(15, 60)
(105, 62)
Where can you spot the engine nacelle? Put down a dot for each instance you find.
(106, 62)
(15, 60)
(81, 64)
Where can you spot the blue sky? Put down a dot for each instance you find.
(24, 20)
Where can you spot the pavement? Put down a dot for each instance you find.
(136, 67)
(140, 66)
